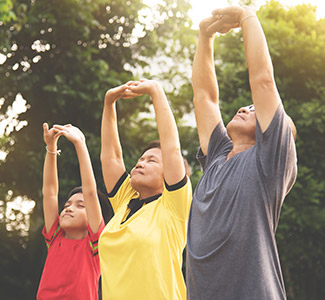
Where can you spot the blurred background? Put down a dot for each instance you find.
(59, 57)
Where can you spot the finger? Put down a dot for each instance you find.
(58, 134)
(216, 26)
(131, 93)
(133, 89)
(45, 128)
(133, 83)
(59, 127)
(218, 11)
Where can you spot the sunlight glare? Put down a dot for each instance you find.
(203, 8)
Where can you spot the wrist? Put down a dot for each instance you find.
(53, 150)
(79, 142)
(109, 98)
(155, 88)
(246, 14)
(51, 147)
(203, 35)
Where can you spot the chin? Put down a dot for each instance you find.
(134, 183)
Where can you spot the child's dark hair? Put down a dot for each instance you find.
(156, 144)
(105, 205)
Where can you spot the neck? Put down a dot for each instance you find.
(239, 148)
(75, 234)
(144, 194)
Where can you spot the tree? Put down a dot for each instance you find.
(62, 56)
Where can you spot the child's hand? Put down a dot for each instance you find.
(72, 133)
(50, 137)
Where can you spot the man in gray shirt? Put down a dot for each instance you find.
(248, 168)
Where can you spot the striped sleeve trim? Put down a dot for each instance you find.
(117, 185)
(49, 242)
(176, 186)
(93, 247)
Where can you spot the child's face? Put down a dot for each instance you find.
(73, 216)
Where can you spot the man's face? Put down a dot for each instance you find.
(73, 216)
(148, 172)
(244, 122)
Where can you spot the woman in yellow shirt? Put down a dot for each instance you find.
(141, 248)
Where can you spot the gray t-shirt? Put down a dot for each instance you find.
(231, 247)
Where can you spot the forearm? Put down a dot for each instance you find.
(204, 80)
(111, 146)
(89, 187)
(173, 164)
(264, 92)
(111, 150)
(50, 190)
(50, 176)
(86, 171)
(256, 50)
(166, 124)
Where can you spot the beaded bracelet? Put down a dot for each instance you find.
(58, 152)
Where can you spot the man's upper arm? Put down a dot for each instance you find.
(266, 100)
(208, 116)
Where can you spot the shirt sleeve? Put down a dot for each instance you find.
(276, 151)
(219, 145)
(177, 198)
(122, 192)
(94, 237)
(52, 234)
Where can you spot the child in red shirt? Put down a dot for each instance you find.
(71, 269)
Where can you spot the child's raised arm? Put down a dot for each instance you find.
(89, 188)
(50, 177)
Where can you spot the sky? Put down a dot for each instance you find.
(203, 8)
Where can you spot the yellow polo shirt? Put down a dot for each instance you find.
(142, 258)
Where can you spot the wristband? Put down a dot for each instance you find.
(58, 152)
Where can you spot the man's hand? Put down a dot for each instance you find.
(231, 17)
(209, 26)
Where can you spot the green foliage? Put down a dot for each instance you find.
(63, 55)
(6, 13)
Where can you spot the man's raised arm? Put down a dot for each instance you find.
(264, 92)
(205, 85)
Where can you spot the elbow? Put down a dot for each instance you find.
(91, 194)
(263, 80)
(203, 99)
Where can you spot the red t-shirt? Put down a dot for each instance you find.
(71, 269)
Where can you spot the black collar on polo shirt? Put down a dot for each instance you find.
(135, 204)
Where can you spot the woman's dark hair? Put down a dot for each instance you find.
(151, 145)
(156, 144)
(105, 204)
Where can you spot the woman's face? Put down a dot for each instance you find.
(148, 173)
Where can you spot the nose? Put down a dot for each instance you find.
(242, 110)
(68, 208)
(139, 164)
